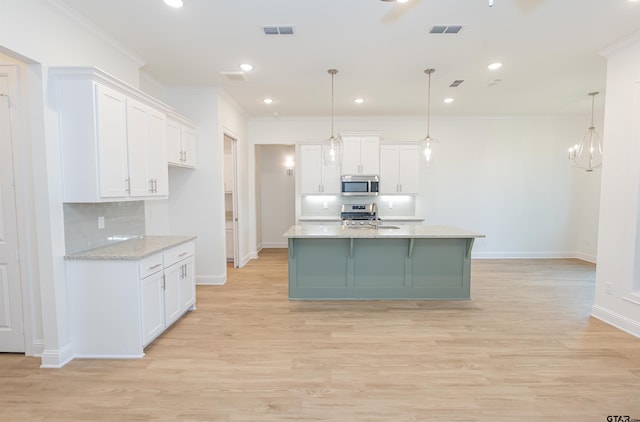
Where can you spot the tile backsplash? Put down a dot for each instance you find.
(122, 220)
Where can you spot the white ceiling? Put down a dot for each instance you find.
(550, 50)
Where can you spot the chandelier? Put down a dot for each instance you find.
(332, 147)
(587, 155)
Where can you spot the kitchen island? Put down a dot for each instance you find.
(402, 262)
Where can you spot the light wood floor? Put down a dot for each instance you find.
(524, 348)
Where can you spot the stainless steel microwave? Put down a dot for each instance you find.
(359, 185)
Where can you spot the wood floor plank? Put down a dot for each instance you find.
(524, 348)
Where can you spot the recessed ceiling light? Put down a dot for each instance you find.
(268, 101)
(174, 3)
(494, 66)
(401, 1)
(246, 67)
(358, 100)
(448, 100)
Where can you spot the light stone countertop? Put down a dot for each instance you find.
(410, 231)
(132, 249)
(337, 218)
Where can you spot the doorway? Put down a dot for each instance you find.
(11, 316)
(275, 194)
(231, 200)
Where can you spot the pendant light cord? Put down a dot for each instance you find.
(593, 99)
(428, 72)
(332, 72)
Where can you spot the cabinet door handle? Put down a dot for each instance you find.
(164, 282)
(151, 185)
(185, 156)
(183, 253)
(155, 266)
(128, 182)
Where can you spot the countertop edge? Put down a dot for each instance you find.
(404, 232)
(168, 242)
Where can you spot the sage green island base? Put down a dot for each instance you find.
(413, 262)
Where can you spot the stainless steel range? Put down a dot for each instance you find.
(359, 215)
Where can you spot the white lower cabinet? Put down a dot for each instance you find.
(120, 306)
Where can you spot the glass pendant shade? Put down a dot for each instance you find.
(332, 147)
(587, 155)
(428, 145)
(332, 151)
(429, 148)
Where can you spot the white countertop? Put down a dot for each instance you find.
(137, 248)
(411, 231)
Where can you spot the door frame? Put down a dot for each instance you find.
(234, 163)
(26, 263)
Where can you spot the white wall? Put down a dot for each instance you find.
(277, 206)
(196, 197)
(617, 298)
(234, 122)
(508, 178)
(41, 35)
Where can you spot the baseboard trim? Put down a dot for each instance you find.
(37, 348)
(275, 245)
(56, 358)
(614, 319)
(211, 280)
(534, 255)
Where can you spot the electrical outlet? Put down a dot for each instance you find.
(608, 288)
(326, 205)
(390, 204)
(100, 223)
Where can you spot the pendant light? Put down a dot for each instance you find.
(428, 143)
(587, 155)
(332, 147)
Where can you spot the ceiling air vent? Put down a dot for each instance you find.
(445, 29)
(278, 30)
(456, 83)
(233, 76)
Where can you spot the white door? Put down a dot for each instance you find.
(11, 333)
(172, 302)
(310, 169)
(157, 152)
(112, 138)
(139, 171)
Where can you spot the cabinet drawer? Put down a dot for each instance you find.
(150, 265)
(178, 254)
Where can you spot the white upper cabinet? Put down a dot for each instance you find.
(113, 138)
(361, 154)
(315, 177)
(399, 168)
(146, 128)
(181, 142)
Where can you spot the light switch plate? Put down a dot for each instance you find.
(100, 223)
